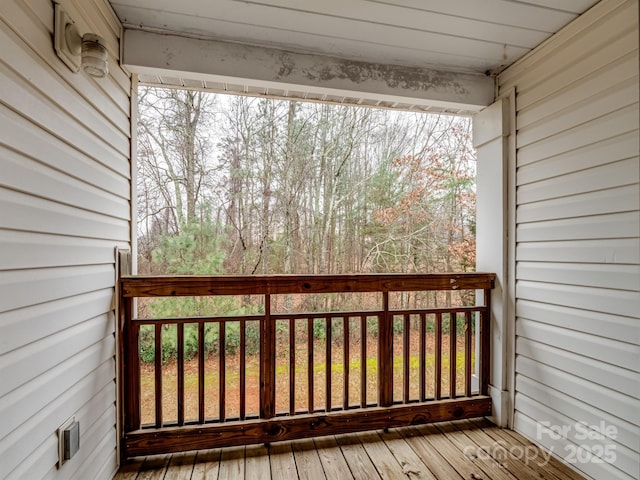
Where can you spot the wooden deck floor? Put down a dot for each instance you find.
(473, 449)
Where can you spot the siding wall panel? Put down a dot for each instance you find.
(577, 219)
(618, 302)
(22, 250)
(616, 199)
(579, 450)
(65, 193)
(32, 323)
(25, 175)
(567, 405)
(595, 131)
(601, 103)
(602, 177)
(617, 404)
(36, 395)
(22, 97)
(590, 54)
(617, 71)
(624, 329)
(618, 147)
(27, 212)
(58, 155)
(621, 277)
(41, 458)
(619, 250)
(615, 225)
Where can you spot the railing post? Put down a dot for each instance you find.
(131, 370)
(267, 363)
(385, 355)
(129, 357)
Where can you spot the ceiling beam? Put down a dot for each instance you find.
(147, 52)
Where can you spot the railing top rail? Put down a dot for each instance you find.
(197, 285)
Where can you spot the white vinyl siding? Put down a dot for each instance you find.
(577, 238)
(65, 205)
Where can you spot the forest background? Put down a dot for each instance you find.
(243, 185)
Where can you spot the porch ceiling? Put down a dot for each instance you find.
(339, 50)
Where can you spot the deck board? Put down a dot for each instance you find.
(411, 464)
(387, 465)
(256, 463)
(308, 463)
(332, 457)
(154, 468)
(356, 457)
(489, 467)
(283, 464)
(207, 465)
(232, 461)
(434, 461)
(445, 451)
(181, 466)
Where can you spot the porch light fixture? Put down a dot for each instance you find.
(77, 51)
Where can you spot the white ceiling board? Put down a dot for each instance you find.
(573, 6)
(501, 12)
(466, 36)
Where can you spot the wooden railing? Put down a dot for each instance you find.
(343, 371)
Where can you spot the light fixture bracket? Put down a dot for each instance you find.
(62, 34)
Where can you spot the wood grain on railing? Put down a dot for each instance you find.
(428, 335)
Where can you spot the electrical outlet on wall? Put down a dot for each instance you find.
(68, 440)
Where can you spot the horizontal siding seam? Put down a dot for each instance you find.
(577, 126)
(578, 170)
(59, 170)
(542, 360)
(124, 215)
(598, 128)
(560, 196)
(604, 96)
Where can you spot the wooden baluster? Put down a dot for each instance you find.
(310, 366)
(438, 358)
(180, 367)
(467, 354)
(267, 363)
(385, 355)
(158, 373)
(363, 361)
(345, 379)
(222, 376)
(201, 359)
(243, 368)
(485, 341)
(292, 366)
(422, 357)
(406, 368)
(453, 317)
(328, 364)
